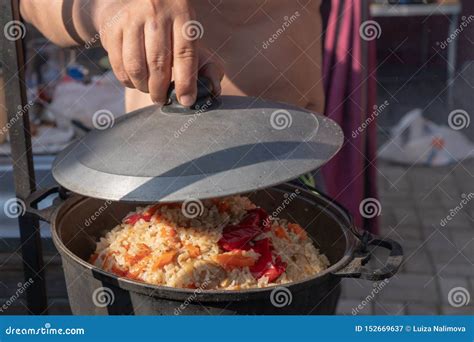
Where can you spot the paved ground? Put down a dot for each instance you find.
(414, 199)
(437, 258)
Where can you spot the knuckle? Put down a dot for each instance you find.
(186, 52)
(135, 69)
(160, 61)
(122, 76)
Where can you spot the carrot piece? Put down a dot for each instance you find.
(221, 205)
(93, 258)
(296, 228)
(280, 232)
(143, 251)
(194, 251)
(118, 271)
(164, 259)
(234, 259)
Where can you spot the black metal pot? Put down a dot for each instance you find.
(78, 222)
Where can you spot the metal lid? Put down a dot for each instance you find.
(220, 147)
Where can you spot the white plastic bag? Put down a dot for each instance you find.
(416, 140)
(74, 100)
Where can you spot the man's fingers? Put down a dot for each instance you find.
(159, 58)
(134, 58)
(185, 63)
(113, 45)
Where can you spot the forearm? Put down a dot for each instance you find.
(64, 22)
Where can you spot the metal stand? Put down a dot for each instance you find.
(12, 59)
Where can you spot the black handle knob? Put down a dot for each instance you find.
(205, 100)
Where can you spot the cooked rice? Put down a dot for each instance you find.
(177, 251)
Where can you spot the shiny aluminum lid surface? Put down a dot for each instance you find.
(157, 154)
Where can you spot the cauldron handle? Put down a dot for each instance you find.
(36, 197)
(357, 269)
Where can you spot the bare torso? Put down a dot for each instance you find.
(269, 48)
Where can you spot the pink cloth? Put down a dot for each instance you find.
(350, 176)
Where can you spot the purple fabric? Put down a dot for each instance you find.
(350, 176)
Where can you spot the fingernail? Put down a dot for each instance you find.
(186, 100)
(158, 102)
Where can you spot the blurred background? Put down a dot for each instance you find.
(424, 79)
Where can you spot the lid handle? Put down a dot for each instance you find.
(205, 100)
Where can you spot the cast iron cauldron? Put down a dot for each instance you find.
(90, 289)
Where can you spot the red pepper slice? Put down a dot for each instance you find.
(257, 217)
(148, 214)
(238, 237)
(265, 265)
(263, 248)
(275, 270)
(132, 219)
